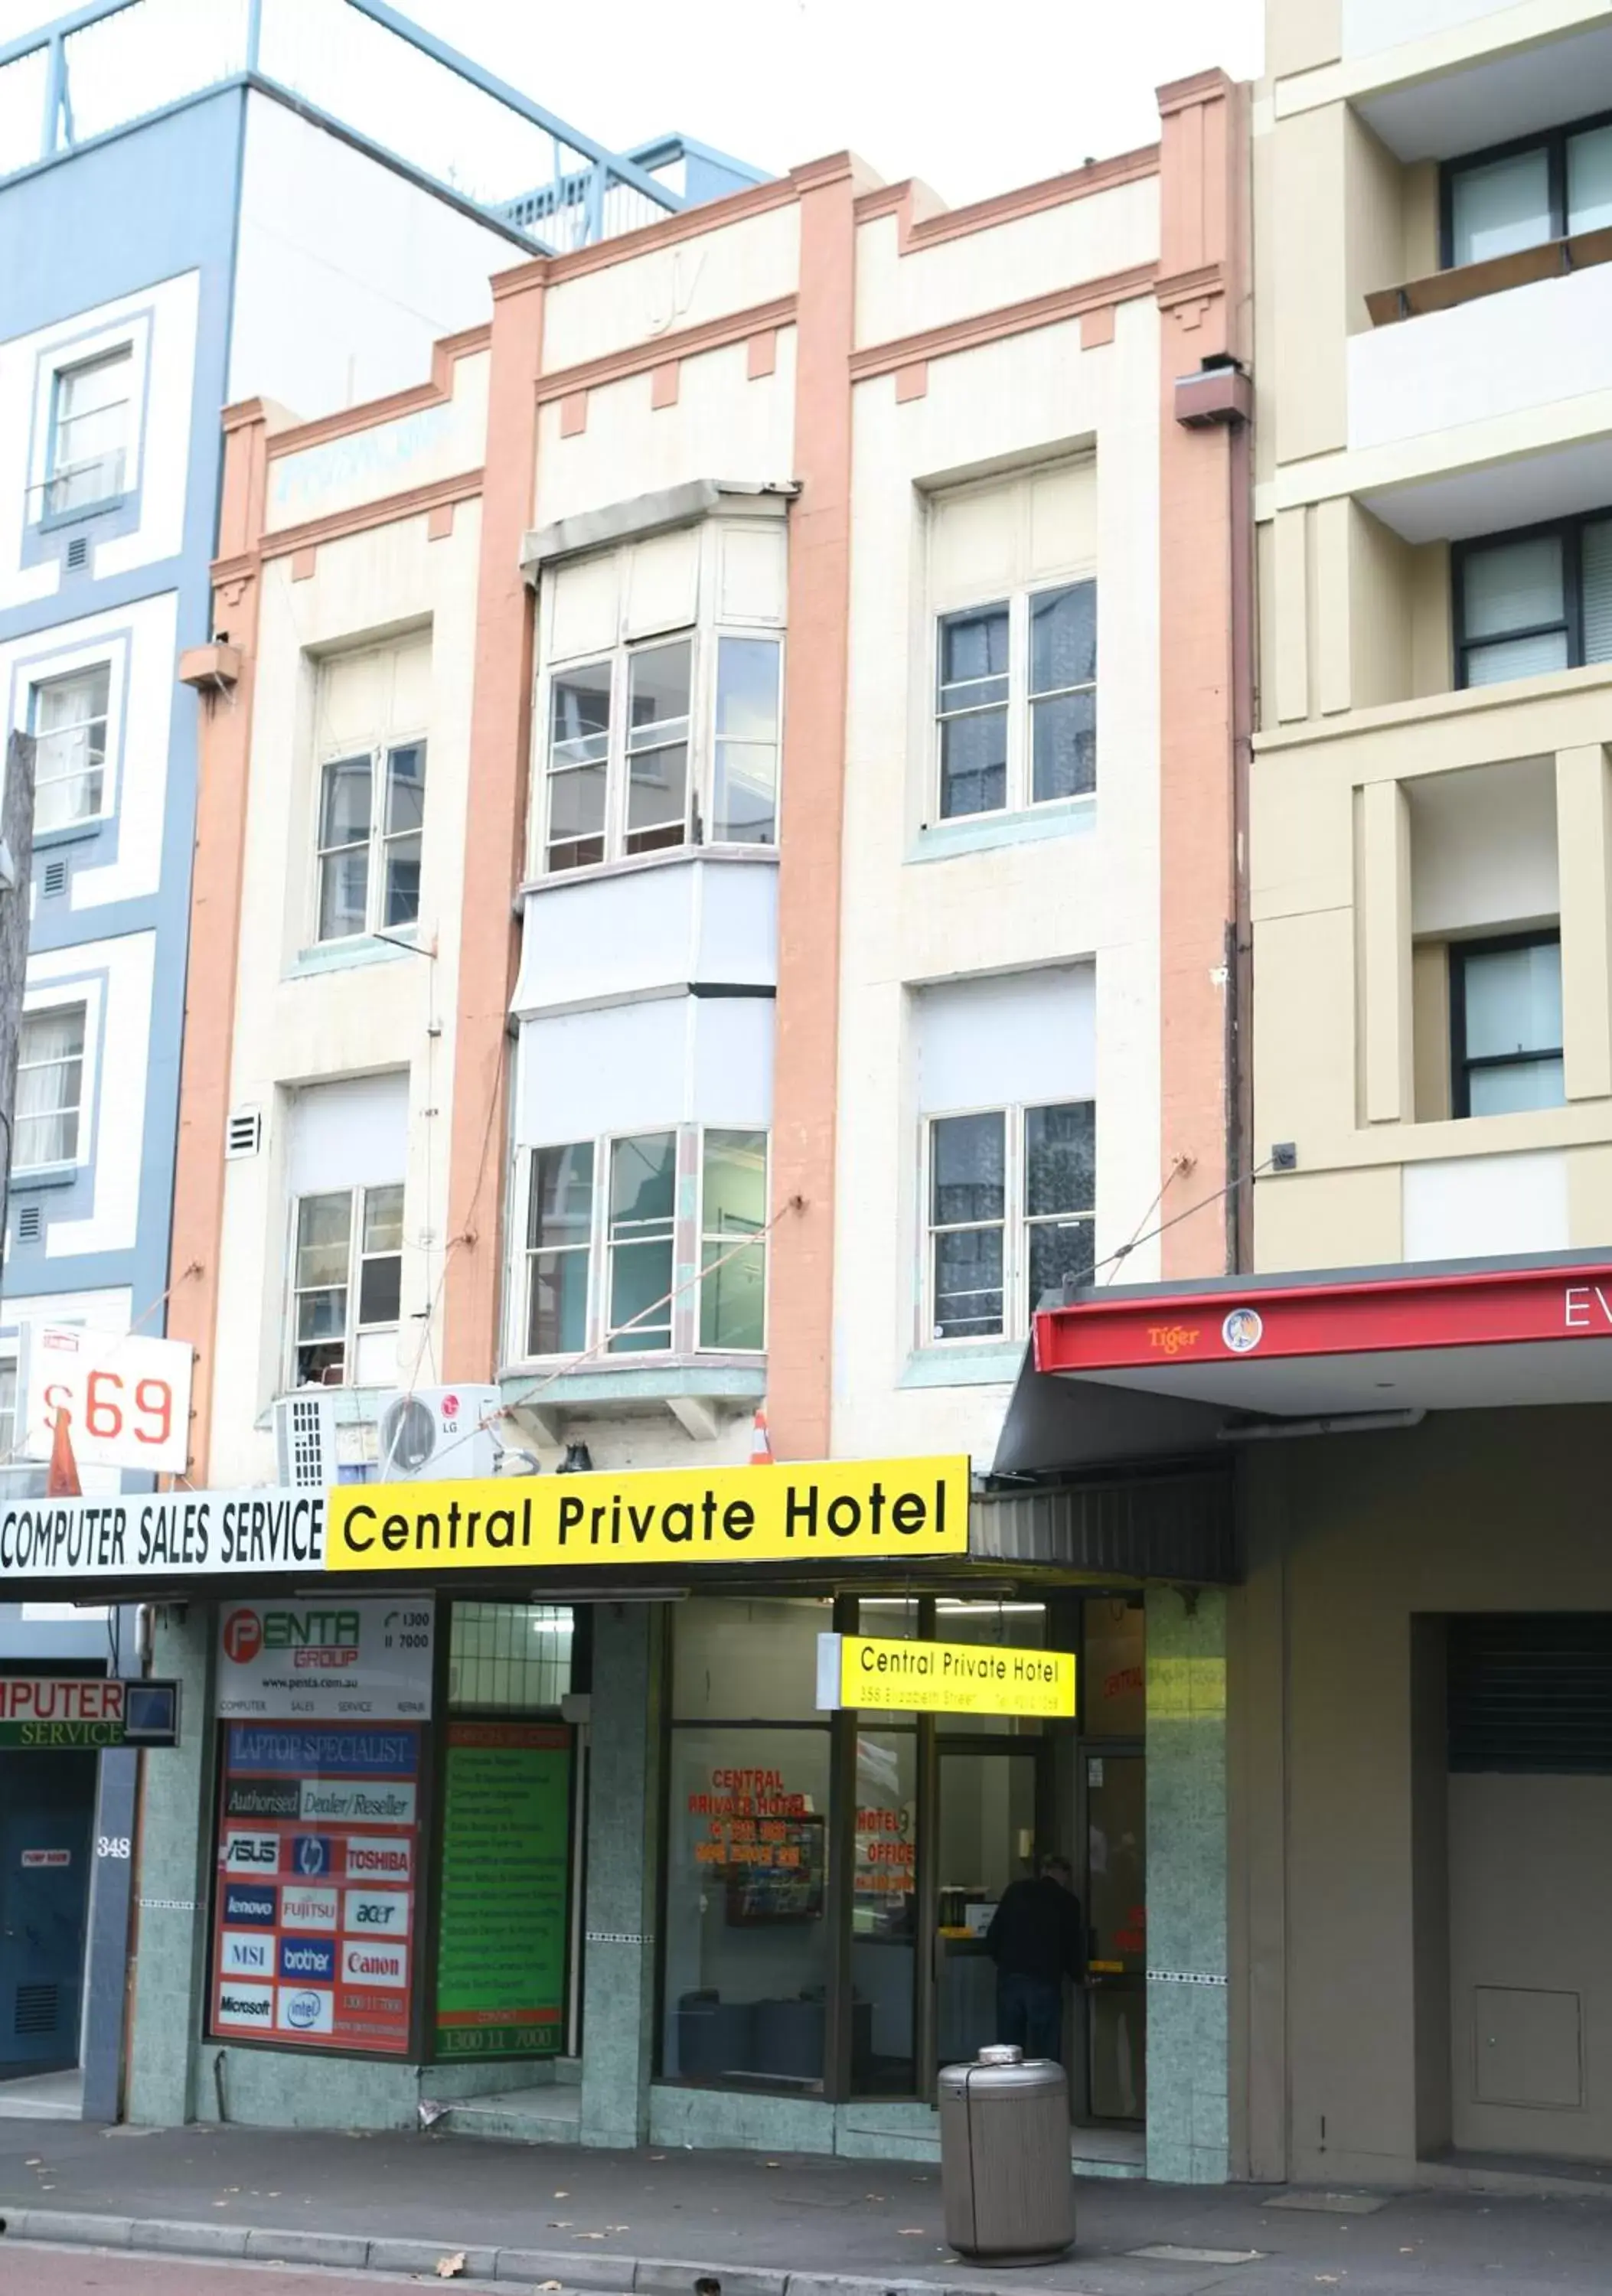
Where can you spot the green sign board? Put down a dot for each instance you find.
(505, 1871)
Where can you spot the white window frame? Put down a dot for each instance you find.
(1015, 1223)
(354, 1330)
(49, 1009)
(704, 631)
(687, 1238)
(379, 756)
(131, 333)
(115, 353)
(43, 682)
(1018, 790)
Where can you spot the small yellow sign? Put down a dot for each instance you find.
(844, 1510)
(944, 1677)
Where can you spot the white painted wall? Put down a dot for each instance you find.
(1483, 848)
(385, 458)
(1468, 1207)
(1030, 255)
(374, 267)
(295, 1027)
(1500, 355)
(1089, 897)
(1371, 24)
(687, 918)
(666, 290)
(1006, 1039)
(645, 1066)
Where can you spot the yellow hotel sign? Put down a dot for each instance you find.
(944, 1677)
(846, 1510)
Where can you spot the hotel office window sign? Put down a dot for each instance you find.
(325, 1704)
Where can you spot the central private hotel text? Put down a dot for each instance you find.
(870, 1507)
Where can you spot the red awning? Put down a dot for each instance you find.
(1483, 1334)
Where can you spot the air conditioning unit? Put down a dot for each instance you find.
(324, 1435)
(438, 1434)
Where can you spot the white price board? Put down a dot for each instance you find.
(127, 1398)
(326, 1657)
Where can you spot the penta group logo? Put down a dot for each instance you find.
(242, 1637)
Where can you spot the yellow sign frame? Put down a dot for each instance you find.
(890, 1511)
(874, 1675)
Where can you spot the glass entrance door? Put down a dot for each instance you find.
(1116, 1918)
(988, 1802)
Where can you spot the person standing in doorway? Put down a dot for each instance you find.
(1037, 1939)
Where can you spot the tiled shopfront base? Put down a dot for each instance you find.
(1187, 2137)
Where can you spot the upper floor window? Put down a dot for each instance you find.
(50, 1088)
(609, 1224)
(67, 717)
(1533, 602)
(347, 1284)
(1506, 1024)
(669, 743)
(660, 699)
(1522, 194)
(371, 708)
(1016, 701)
(89, 439)
(372, 813)
(1012, 1196)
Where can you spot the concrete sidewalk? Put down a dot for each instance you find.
(759, 2223)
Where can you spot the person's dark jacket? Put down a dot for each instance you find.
(1037, 1932)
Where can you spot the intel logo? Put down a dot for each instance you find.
(303, 2010)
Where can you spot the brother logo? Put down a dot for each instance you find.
(305, 1960)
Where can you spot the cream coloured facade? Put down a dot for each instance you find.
(1435, 397)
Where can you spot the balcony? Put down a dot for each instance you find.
(1483, 397)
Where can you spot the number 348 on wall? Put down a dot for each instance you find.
(126, 1398)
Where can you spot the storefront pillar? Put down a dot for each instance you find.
(1187, 2008)
(171, 1880)
(623, 1794)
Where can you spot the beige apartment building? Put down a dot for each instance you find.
(1420, 1650)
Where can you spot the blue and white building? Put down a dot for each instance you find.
(201, 201)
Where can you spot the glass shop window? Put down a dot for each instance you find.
(746, 1935)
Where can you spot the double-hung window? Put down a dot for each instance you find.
(667, 743)
(1506, 1024)
(90, 407)
(372, 815)
(67, 717)
(347, 1285)
(608, 1226)
(1534, 600)
(1015, 703)
(1011, 1205)
(50, 1088)
(1523, 195)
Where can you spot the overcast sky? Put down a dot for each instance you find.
(972, 98)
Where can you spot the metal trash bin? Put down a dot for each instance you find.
(1005, 2176)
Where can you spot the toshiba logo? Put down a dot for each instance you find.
(360, 1860)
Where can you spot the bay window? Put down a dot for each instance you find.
(665, 744)
(1011, 1211)
(610, 1224)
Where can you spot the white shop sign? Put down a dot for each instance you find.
(126, 1398)
(329, 1658)
(171, 1535)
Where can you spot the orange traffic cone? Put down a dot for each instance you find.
(761, 1441)
(61, 1478)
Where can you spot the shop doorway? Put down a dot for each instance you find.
(47, 1803)
(989, 1806)
(1116, 1922)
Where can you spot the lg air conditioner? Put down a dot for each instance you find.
(437, 1434)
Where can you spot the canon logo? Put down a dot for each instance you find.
(376, 1965)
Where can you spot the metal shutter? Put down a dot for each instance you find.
(1532, 1694)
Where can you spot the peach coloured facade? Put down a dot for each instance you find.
(826, 412)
